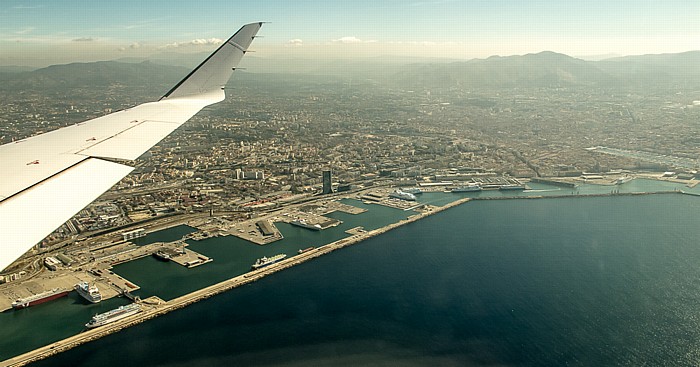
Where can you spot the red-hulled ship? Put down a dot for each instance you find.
(40, 298)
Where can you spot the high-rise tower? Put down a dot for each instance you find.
(327, 188)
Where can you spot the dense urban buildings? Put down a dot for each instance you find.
(274, 138)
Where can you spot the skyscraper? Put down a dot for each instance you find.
(327, 188)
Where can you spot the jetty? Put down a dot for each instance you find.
(154, 306)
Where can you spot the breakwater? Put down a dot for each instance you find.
(154, 307)
(570, 196)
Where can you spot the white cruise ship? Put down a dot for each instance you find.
(265, 261)
(403, 195)
(89, 292)
(471, 187)
(113, 315)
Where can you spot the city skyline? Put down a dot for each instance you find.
(40, 33)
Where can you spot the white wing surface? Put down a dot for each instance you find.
(50, 177)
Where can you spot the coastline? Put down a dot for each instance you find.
(155, 307)
(162, 307)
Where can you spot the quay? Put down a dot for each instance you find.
(583, 195)
(154, 307)
(552, 182)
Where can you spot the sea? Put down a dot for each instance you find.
(567, 281)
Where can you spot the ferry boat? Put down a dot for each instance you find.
(467, 188)
(398, 194)
(40, 298)
(413, 190)
(113, 315)
(302, 223)
(89, 292)
(623, 180)
(306, 249)
(265, 261)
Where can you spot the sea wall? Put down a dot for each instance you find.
(154, 307)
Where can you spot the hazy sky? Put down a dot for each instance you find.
(42, 32)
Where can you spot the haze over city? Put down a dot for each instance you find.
(414, 183)
(40, 33)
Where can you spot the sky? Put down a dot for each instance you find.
(39, 33)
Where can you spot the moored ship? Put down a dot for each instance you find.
(467, 188)
(162, 255)
(306, 249)
(302, 223)
(398, 194)
(113, 315)
(89, 292)
(413, 190)
(40, 298)
(265, 261)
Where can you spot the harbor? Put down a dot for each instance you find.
(155, 307)
(190, 255)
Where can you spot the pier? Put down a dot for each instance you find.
(154, 307)
(552, 182)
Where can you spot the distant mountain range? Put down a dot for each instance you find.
(549, 69)
(544, 69)
(532, 70)
(95, 74)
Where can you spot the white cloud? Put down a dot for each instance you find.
(133, 46)
(25, 30)
(295, 42)
(194, 42)
(135, 26)
(348, 40)
(352, 39)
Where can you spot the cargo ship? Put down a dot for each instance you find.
(398, 194)
(40, 298)
(113, 315)
(306, 249)
(265, 261)
(472, 187)
(89, 292)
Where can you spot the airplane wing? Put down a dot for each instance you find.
(50, 177)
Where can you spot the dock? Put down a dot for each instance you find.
(191, 259)
(154, 307)
(259, 232)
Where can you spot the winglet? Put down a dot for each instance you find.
(214, 72)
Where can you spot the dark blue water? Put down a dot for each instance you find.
(595, 281)
(24, 330)
(234, 256)
(169, 235)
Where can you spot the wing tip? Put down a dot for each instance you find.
(183, 89)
